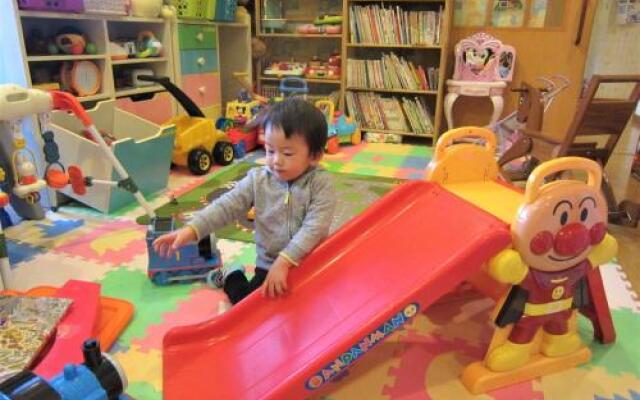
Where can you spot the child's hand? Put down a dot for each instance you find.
(276, 282)
(167, 244)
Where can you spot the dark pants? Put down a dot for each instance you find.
(237, 286)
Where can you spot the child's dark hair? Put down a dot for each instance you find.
(299, 117)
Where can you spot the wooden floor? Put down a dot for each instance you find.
(627, 187)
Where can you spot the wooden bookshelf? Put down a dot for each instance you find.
(395, 132)
(398, 1)
(392, 46)
(284, 43)
(386, 90)
(310, 80)
(301, 35)
(431, 55)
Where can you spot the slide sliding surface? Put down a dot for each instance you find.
(364, 282)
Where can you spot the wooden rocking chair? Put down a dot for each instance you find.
(595, 117)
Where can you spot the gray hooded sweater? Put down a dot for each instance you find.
(291, 217)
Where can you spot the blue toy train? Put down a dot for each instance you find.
(190, 263)
(98, 378)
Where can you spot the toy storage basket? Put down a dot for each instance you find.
(52, 5)
(199, 9)
(225, 10)
(114, 7)
(143, 148)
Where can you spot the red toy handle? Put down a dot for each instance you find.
(67, 101)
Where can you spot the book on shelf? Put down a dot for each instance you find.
(390, 72)
(373, 111)
(394, 25)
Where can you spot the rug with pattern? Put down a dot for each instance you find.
(422, 361)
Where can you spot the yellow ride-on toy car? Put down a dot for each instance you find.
(198, 142)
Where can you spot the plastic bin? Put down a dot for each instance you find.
(196, 9)
(112, 7)
(76, 6)
(225, 10)
(143, 148)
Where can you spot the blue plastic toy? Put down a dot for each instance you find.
(293, 86)
(190, 263)
(344, 129)
(98, 378)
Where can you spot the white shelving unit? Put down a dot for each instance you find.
(17, 66)
(99, 29)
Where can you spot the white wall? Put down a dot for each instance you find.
(614, 48)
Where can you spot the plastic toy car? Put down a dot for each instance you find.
(285, 69)
(342, 129)
(198, 142)
(242, 110)
(243, 140)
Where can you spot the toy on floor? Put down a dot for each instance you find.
(238, 114)
(99, 377)
(342, 129)
(243, 109)
(189, 263)
(558, 234)
(198, 142)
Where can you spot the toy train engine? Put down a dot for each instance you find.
(190, 263)
(98, 378)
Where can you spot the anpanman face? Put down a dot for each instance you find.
(558, 229)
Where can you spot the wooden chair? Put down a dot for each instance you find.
(595, 117)
(533, 102)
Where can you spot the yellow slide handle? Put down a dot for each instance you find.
(467, 132)
(535, 183)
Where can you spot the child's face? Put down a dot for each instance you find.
(287, 158)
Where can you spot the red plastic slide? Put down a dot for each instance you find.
(364, 282)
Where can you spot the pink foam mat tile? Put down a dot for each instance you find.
(116, 242)
(201, 305)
